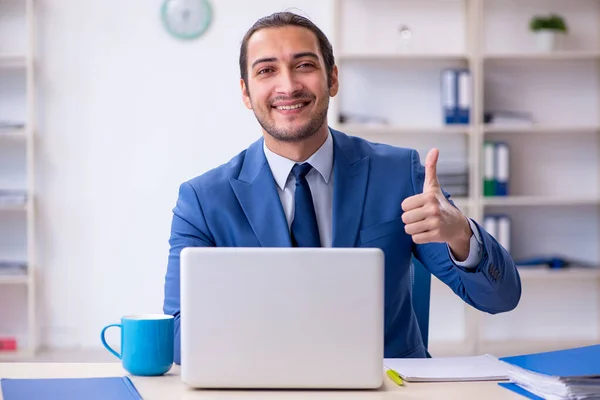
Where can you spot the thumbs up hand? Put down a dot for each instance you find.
(429, 216)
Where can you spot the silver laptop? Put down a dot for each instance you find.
(282, 317)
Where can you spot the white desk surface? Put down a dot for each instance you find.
(170, 387)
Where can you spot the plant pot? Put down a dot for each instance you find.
(547, 40)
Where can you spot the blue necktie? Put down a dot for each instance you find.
(305, 231)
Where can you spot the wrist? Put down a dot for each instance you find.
(460, 244)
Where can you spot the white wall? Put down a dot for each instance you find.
(127, 114)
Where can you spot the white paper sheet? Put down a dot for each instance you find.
(445, 369)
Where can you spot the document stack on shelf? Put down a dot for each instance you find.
(13, 268)
(454, 178)
(456, 94)
(8, 126)
(562, 374)
(12, 197)
(507, 118)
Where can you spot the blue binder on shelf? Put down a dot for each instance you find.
(560, 373)
(114, 388)
(502, 168)
(449, 87)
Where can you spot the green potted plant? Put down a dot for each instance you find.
(548, 30)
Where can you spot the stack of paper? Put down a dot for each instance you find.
(562, 374)
(447, 369)
(13, 267)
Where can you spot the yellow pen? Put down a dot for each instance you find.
(395, 377)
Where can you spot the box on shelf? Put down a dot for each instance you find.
(8, 344)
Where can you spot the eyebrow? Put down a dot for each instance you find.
(294, 57)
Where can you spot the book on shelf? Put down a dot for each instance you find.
(456, 94)
(496, 168)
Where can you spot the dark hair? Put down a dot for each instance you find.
(280, 20)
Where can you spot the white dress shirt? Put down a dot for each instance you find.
(320, 181)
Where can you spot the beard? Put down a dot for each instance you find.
(295, 134)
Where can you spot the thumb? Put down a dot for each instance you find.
(431, 179)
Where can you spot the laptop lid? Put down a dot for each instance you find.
(282, 317)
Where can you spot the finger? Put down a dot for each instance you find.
(431, 179)
(420, 227)
(426, 237)
(415, 215)
(413, 202)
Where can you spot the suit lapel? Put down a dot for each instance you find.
(350, 176)
(257, 194)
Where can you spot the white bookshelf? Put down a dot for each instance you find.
(18, 311)
(554, 199)
(555, 56)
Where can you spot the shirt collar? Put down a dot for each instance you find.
(321, 160)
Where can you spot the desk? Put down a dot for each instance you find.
(170, 387)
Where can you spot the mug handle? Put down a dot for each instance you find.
(104, 340)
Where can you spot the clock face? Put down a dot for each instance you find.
(186, 19)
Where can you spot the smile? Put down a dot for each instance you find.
(292, 107)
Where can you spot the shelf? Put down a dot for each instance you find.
(561, 274)
(364, 130)
(564, 56)
(550, 129)
(540, 200)
(13, 134)
(12, 61)
(18, 355)
(394, 57)
(13, 207)
(14, 279)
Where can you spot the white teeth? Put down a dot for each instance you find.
(291, 107)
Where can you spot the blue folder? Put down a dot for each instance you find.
(114, 388)
(519, 390)
(580, 361)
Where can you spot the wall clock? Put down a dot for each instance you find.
(186, 19)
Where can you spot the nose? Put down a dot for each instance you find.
(288, 84)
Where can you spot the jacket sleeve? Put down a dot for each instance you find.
(493, 286)
(188, 229)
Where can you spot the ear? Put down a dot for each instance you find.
(335, 84)
(245, 95)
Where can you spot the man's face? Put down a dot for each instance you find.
(287, 83)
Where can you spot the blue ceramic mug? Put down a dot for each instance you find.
(146, 343)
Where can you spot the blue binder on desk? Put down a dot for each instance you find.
(114, 388)
(561, 373)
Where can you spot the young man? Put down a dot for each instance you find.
(304, 184)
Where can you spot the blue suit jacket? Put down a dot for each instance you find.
(237, 205)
